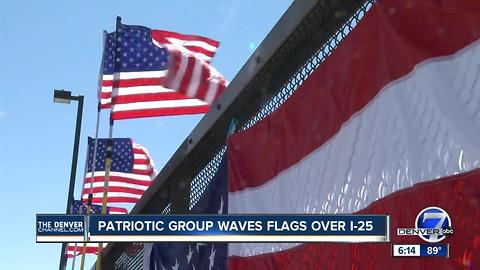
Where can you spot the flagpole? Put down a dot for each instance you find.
(109, 152)
(95, 147)
(75, 246)
(74, 255)
(108, 163)
(90, 196)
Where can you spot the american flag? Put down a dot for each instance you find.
(150, 73)
(132, 171)
(78, 207)
(195, 256)
(76, 249)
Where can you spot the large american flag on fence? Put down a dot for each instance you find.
(388, 123)
(78, 207)
(150, 73)
(195, 256)
(132, 171)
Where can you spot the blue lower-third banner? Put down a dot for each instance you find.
(220, 228)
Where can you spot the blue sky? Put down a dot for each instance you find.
(57, 44)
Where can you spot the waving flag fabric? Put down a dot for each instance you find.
(75, 250)
(195, 256)
(132, 171)
(388, 123)
(78, 207)
(154, 73)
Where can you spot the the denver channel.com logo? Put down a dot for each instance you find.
(432, 224)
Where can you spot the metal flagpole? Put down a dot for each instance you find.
(84, 175)
(95, 146)
(74, 255)
(90, 196)
(108, 160)
(108, 163)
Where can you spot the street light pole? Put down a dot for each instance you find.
(62, 96)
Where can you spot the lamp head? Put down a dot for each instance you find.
(62, 96)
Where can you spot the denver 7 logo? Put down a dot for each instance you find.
(434, 218)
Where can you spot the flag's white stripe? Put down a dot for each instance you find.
(184, 50)
(140, 156)
(125, 91)
(157, 104)
(195, 80)
(138, 146)
(116, 184)
(113, 194)
(197, 43)
(142, 167)
(211, 92)
(421, 127)
(214, 83)
(116, 213)
(71, 247)
(120, 174)
(238, 238)
(175, 84)
(203, 57)
(147, 154)
(135, 75)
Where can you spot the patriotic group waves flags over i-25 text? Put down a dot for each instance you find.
(149, 73)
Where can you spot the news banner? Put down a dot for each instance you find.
(432, 225)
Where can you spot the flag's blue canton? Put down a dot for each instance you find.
(198, 256)
(78, 207)
(122, 158)
(135, 52)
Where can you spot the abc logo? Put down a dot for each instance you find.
(438, 220)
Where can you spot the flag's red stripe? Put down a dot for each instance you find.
(200, 50)
(133, 82)
(160, 112)
(79, 248)
(105, 106)
(220, 88)
(459, 195)
(142, 172)
(187, 76)
(142, 161)
(148, 97)
(161, 35)
(115, 189)
(204, 83)
(105, 95)
(97, 179)
(386, 45)
(138, 151)
(117, 209)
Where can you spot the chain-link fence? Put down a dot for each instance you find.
(314, 38)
